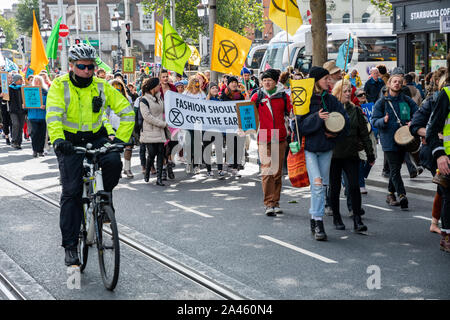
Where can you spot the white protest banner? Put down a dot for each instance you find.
(184, 112)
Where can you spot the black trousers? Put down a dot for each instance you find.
(351, 169)
(38, 135)
(445, 213)
(207, 158)
(155, 150)
(17, 120)
(71, 171)
(395, 160)
(6, 120)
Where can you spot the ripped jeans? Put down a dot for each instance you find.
(318, 167)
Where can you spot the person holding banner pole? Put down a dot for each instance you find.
(319, 145)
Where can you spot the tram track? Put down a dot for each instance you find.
(186, 271)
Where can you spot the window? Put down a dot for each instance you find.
(258, 34)
(147, 21)
(113, 24)
(328, 18)
(346, 18)
(365, 17)
(87, 16)
(54, 13)
(377, 49)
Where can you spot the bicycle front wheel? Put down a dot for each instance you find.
(108, 248)
(83, 248)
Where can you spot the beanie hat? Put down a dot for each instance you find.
(179, 83)
(151, 83)
(16, 78)
(318, 73)
(272, 74)
(231, 79)
(212, 84)
(245, 71)
(398, 70)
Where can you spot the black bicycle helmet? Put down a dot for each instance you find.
(81, 51)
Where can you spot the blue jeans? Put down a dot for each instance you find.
(364, 170)
(318, 167)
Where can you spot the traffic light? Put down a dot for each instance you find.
(128, 34)
(77, 40)
(21, 44)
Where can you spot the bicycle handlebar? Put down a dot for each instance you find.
(104, 149)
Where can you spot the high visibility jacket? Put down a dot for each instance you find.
(446, 131)
(69, 108)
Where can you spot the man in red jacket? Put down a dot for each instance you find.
(273, 106)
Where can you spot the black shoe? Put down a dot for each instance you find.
(164, 174)
(147, 176)
(403, 203)
(8, 142)
(72, 258)
(337, 221)
(35, 154)
(413, 175)
(320, 234)
(159, 182)
(362, 212)
(170, 172)
(41, 154)
(313, 226)
(385, 174)
(358, 224)
(391, 200)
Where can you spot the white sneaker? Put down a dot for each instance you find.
(270, 212)
(188, 168)
(221, 175)
(197, 170)
(277, 210)
(235, 173)
(209, 175)
(363, 190)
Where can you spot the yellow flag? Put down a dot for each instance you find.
(158, 39)
(38, 57)
(229, 51)
(280, 9)
(301, 92)
(195, 56)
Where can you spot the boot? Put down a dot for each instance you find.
(159, 178)
(320, 234)
(337, 221)
(170, 172)
(358, 224)
(164, 174)
(72, 257)
(147, 174)
(313, 227)
(445, 241)
(391, 200)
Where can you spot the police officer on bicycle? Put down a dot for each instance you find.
(76, 105)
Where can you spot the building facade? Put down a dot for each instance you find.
(421, 47)
(107, 40)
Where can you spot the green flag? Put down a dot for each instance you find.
(52, 44)
(175, 51)
(99, 61)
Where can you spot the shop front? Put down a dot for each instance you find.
(421, 47)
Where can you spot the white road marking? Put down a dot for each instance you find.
(424, 218)
(292, 247)
(173, 203)
(376, 207)
(7, 293)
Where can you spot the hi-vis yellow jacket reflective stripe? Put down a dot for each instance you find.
(70, 109)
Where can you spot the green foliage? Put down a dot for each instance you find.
(9, 29)
(383, 6)
(236, 15)
(24, 15)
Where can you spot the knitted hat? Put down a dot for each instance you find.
(212, 84)
(272, 74)
(179, 83)
(245, 71)
(398, 70)
(318, 73)
(231, 79)
(16, 78)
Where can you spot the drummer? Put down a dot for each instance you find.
(389, 114)
(319, 145)
(345, 158)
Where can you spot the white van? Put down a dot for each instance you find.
(255, 57)
(376, 45)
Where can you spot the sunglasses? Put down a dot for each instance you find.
(361, 95)
(84, 66)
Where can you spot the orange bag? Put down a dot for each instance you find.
(296, 165)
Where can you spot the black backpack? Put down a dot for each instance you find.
(139, 120)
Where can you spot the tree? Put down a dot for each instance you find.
(319, 32)
(236, 15)
(24, 15)
(383, 6)
(9, 29)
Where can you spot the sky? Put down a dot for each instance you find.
(7, 4)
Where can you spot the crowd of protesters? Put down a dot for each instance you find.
(332, 159)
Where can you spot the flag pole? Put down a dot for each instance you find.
(289, 64)
(345, 65)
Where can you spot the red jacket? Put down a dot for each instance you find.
(171, 88)
(277, 121)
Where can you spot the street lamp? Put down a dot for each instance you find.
(116, 17)
(46, 29)
(2, 38)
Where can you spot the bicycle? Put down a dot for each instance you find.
(98, 211)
